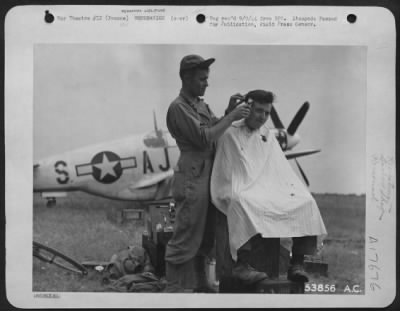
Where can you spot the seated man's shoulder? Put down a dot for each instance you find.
(229, 135)
(232, 130)
(236, 126)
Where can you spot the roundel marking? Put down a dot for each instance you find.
(106, 167)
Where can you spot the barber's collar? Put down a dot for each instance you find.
(192, 101)
(242, 124)
(262, 131)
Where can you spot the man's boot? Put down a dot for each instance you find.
(173, 284)
(244, 272)
(296, 272)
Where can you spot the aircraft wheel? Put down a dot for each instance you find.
(51, 202)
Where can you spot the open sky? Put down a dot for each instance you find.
(90, 93)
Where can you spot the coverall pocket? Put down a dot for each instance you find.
(178, 186)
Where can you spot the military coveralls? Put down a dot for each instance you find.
(188, 122)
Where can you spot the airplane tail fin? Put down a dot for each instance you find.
(155, 121)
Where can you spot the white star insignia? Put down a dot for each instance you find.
(106, 167)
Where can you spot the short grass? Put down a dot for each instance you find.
(344, 248)
(86, 228)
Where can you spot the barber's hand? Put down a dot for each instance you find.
(234, 101)
(240, 112)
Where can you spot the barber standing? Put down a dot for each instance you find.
(196, 130)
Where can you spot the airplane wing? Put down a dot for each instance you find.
(300, 153)
(151, 180)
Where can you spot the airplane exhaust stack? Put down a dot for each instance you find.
(298, 118)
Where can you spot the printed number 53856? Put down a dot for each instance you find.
(320, 288)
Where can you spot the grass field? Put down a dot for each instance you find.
(85, 228)
(344, 248)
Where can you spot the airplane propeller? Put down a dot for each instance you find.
(291, 130)
(298, 118)
(275, 119)
(302, 173)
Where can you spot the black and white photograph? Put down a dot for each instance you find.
(208, 170)
(101, 112)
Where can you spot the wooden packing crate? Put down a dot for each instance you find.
(128, 214)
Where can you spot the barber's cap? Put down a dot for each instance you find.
(195, 61)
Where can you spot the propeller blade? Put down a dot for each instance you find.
(302, 172)
(293, 155)
(298, 118)
(275, 119)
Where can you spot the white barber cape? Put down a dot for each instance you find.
(253, 184)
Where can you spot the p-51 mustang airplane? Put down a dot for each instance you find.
(136, 168)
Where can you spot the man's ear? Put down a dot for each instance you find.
(186, 78)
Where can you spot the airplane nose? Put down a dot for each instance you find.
(292, 140)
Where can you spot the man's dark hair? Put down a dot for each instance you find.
(260, 96)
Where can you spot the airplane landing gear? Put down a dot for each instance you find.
(51, 202)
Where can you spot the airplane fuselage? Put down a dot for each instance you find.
(126, 169)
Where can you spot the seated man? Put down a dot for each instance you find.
(253, 184)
